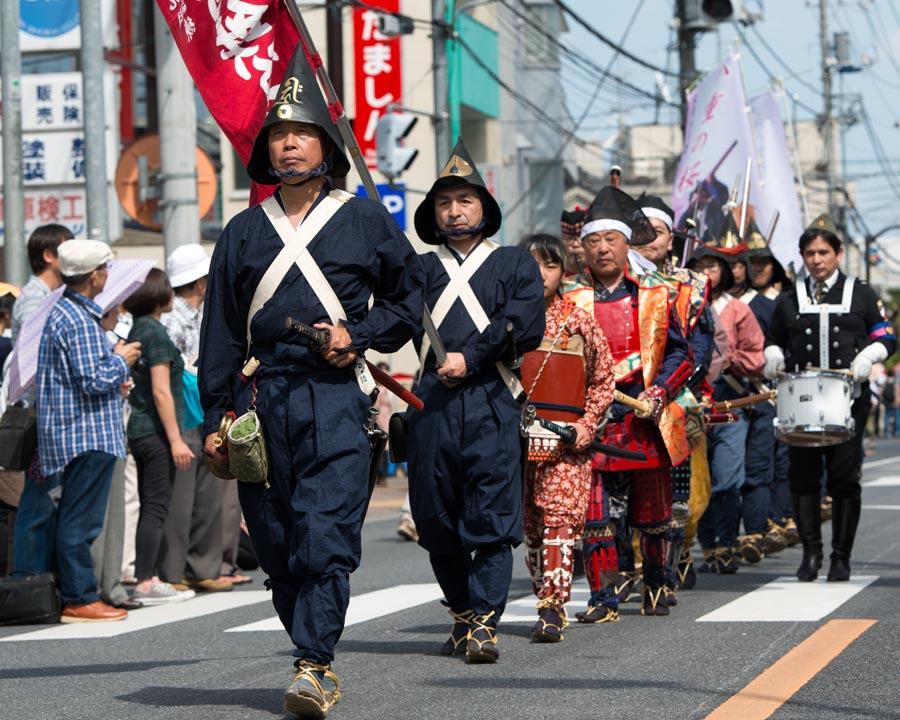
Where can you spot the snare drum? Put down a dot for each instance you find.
(814, 408)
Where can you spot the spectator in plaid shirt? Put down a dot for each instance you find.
(80, 427)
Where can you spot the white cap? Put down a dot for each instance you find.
(186, 264)
(78, 257)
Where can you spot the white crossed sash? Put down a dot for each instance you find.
(459, 287)
(294, 252)
(807, 306)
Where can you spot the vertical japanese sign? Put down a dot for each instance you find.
(53, 150)
(376, 64)
(718, 140)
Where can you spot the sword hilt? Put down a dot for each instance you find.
(319, 340)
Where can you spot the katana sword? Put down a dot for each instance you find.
(567, 436)
(440, 351)
(320, 341)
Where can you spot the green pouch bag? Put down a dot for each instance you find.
(247, 453)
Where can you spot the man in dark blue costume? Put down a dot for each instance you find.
(305, 520)
(465, 453)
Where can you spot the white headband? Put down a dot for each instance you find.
(652, 212)
(605, 224)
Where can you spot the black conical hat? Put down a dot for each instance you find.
(655, 206)
(614, 209)
(459, 170)
(757, 246)
(298, 100)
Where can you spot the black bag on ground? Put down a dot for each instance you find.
(18, 437)
(29, 599)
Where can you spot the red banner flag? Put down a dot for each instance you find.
(237, 52)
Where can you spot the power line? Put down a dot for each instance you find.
(576, 57)
(780, 61)
(584, 113)
(610, 43)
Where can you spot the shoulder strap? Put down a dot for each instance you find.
(459, 287)
(295, 242)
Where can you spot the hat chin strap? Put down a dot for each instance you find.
(446, 234)
(305, 176)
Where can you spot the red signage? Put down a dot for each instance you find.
(376, 61)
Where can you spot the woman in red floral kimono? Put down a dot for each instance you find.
(568, 380)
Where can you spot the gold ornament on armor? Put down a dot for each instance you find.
(291, 91)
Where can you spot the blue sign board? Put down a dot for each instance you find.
(393, 197)
(48, 18)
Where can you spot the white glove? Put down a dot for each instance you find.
(774, 361)
(861, 367)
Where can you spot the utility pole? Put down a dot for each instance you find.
(829, 123)
(177, 141)
(687, 67)
(334, 59)
(440, 32)
(95, 175)
(14, 256)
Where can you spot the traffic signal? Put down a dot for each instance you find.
(392, 157)
(722, 10)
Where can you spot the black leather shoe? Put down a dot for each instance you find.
(809, 566)
(839, 570)
(130, 605)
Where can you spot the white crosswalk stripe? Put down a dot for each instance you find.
(367, 606)
(786, 599)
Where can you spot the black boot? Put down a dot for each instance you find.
(844, 519)
(808, 515)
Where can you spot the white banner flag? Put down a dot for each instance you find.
(779, 189)
(718, 140)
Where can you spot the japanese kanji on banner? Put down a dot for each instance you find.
(718, 140)
(236, 51)
(376, 64)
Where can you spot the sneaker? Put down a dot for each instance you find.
(306, 696)
(407, 530)
(459, 633)
(161, 593)
(597, 614)
(481, 645)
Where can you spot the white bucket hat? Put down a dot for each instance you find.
(186, 264)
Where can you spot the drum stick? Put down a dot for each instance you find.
(724, 405)
(818, 369)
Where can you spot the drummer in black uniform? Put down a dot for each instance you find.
(857, 335)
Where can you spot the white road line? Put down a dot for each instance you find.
(524, 610)
(885, 481)
(148, 617)
(786, 599)
(367, 606)
(878, 463)
(881, 507)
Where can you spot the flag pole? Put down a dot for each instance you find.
(335, 108)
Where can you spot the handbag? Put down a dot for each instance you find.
(29, 599)
(18, 437)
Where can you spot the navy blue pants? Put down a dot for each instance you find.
(306, 526)
(759, 469)
(465, 470)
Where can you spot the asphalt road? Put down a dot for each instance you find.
(188, 662)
